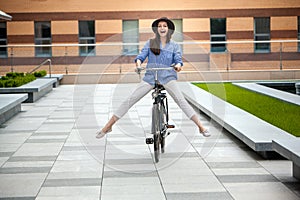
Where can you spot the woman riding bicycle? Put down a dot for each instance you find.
(162, 52)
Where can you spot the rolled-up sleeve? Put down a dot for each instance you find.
(144, 52)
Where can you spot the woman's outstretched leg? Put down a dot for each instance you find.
(202, 129)
(176, 94)
(108, 127)
(141, 90)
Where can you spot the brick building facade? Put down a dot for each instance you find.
(72, 22)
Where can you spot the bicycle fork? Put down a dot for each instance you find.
(161, 118)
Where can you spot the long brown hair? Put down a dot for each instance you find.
(155, 42)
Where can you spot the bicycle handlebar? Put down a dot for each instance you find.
(139, 69)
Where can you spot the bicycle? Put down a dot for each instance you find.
(160, 115)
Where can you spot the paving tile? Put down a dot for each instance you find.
(246, 178)
(77, 166)
(38, 112)
(240, 171)
(126, 174)
(55, 127)
(24, 170)
(76, 155)
(14, 138)
(16, 185)
(31, 158)
(3, 160)
(228, 154)
(170, 168)
(250, 164)
(130, 168)
(267, 190)
(18, 198)
(191, 184)
(64, 114)
(62, 192)
(199, 195)
(38, 134)
(6, 154)
(75, 175)
(47, 140)
(134, 192)
(72, 182)
(39, 149)
(128, 161)
(25, 124)
(29, 164)
(9, 148)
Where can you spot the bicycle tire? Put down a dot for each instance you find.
(156, 132)
(163, 129)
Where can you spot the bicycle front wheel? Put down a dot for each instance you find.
(163, 129)
(156, 131)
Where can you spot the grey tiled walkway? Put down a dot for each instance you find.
(49, 151)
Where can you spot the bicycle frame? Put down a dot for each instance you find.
(160, 116)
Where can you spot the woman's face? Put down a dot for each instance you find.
(162, 29)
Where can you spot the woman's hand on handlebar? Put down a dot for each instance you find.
(138, 68)
(177, 67)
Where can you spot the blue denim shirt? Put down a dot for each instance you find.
(170, 54)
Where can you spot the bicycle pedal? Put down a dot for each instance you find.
(170, 126)
(149, 141)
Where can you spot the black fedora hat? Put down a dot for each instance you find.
(171, 25)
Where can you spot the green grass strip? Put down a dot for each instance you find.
(282, 114)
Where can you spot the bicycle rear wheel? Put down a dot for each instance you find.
(156, 131)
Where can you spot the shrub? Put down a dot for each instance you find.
(41, 73)
(15, 79)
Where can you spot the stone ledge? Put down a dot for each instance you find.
(284, 96)
(251, 130)
(58, 77)
(290, 149)
(10, 105)
(35, 89)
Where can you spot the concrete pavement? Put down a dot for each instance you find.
(49, 151)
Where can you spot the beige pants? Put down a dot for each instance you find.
(144, 88)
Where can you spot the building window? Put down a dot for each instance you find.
(262, 33)
(130, 35)
(177, 36)
(3, 39)
(299, 33)
(218, 34)
(87, 36)
(42, 36)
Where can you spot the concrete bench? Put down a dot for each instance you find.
(35, 89)
(58, 77)
(251, 130)
(10, 105)
(290, 149)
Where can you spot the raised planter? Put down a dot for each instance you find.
(254, 132)
(35, 89)
(262, 137)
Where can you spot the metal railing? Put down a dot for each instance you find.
(43, 63)
(282, 53)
